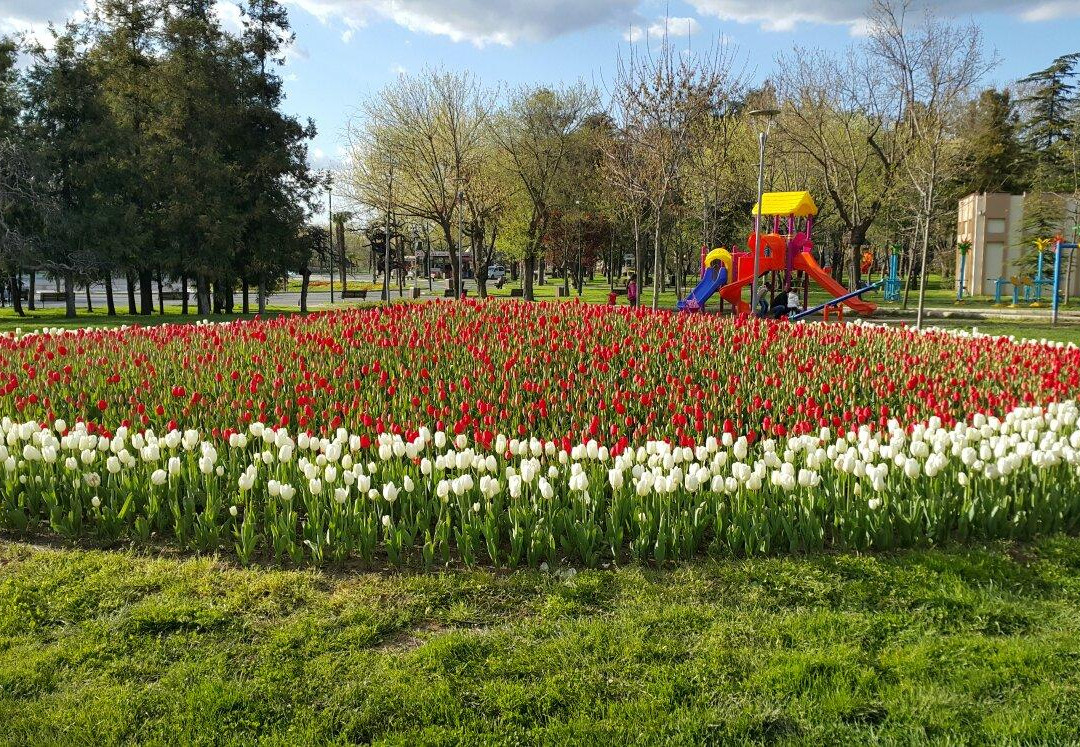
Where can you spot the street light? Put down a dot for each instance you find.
(330, 226)
(455, 269)
(577, 269)
(763, 135)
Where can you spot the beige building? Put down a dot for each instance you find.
(992, 222)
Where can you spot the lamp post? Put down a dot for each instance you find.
(416, 259)
(763, 136)
(577, 266)
(330, 226)
(386, 247)
(455, 270)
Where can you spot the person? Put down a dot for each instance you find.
(632, 289)
(763, 299)
(793, 305)
(779, 305)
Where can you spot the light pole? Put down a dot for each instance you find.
(330, 226)
(455, 269)
(763, 136)
(386, 246)
(577, 267)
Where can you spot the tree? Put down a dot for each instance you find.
(993, 157)
(839, 114)
(270, 152)
(199, 213)
(419, 140)
(934, 67)
(536, 132)
(69, 130)
(660, 96)
(125, 55)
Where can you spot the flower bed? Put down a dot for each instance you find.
(519, 433)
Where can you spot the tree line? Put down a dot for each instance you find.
(661, 158)
(147, 142)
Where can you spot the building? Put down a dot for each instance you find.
(993, 223)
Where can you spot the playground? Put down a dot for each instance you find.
(783, 260)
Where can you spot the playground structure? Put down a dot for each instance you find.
(788, 253)
(1028, 290)
(892, 283)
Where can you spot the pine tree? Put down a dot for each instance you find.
(271, 153)
(995, 159)
(69, 129)
(126, 55)
(1048, 128)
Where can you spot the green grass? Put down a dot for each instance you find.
(977, 645)
(54, 317)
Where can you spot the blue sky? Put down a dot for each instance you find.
(346, 50)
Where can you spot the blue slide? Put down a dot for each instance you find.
(712, 282)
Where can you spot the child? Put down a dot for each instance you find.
(793, 305)
(632, 290)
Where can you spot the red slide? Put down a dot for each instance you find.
(732, 293)
(805, 261)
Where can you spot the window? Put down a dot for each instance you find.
(995, 225)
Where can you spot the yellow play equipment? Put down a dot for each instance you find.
(719, 254)
(796, 204)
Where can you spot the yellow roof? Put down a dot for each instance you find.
(799, 204)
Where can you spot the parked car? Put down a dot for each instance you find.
(496, 272)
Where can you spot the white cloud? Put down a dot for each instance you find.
(677, 27)
(480, 22)
(229, 15)
(347, 35)
(785, 15)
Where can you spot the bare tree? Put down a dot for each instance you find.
(431, 127)
(934, 67)
(840, 114)
(658, 99)
(536, 132)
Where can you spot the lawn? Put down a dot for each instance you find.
(970, 645)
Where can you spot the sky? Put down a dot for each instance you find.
(346, 50)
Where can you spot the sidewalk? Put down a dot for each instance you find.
(1070, 316)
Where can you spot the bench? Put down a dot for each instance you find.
(517, 293)
(563, 291)
(51, 296)
(350, 293)
(173, 295)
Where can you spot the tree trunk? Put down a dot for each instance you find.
(929, 208)
(230, 296)
(658, 269)
(245, 296)
(183, 295)
(16, 295)
(540, 273)
(146, 292)
(527, 280)
(262, 293)
(340, 230)
(202, 294)
(305, 281)
(639, 260)
(160, 294)
(110, 302)
(69, 295)
(89, 303)
(31, 290)
(131, 277)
